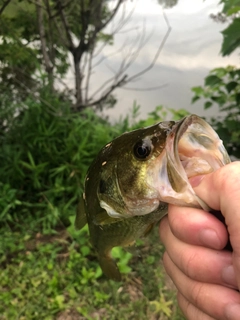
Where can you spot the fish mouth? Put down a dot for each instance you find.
(192, 148)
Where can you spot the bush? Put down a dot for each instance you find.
(222, 88)
(45, 152)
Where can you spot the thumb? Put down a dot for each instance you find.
(221, 191)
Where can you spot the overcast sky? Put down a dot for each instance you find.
(191, 50)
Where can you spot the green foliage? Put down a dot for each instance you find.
(38, 39)
(53, 277)
(122, 258)
(230, 6)
(45, 152)
(231, 35)
(162, 306)
(222, 88)
(160, 113)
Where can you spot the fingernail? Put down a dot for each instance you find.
(228, 276)
(195, 181)
(232, 311)
(209, 238)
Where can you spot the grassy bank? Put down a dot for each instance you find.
(57, 276)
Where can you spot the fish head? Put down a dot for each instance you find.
(192, 148)
(144, 169)
(123, 189)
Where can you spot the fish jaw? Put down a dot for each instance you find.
(192, 148)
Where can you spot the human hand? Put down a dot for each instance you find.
(205, 275)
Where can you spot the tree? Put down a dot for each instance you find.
(50, 31)
(231, 35)
(222, 85)
(222, 88)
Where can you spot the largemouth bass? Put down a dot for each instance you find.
(133, 179)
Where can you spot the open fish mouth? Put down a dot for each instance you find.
(192, 148)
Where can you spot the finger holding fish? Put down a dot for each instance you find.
(203, 298)
(197, 227)
(206, 265)
(225, 196)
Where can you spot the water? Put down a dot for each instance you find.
(191, 50)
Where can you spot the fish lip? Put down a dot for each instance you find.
(181, 128)
(173, 175)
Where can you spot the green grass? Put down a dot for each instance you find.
(57, 276)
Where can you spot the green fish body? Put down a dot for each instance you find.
(134, 177)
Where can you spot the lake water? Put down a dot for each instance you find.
(191, 50)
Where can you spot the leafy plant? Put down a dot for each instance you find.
(51, 277)
(162, 306)
(222, 88)
(45, 152)
(231, 36)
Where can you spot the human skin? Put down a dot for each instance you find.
(207, 277)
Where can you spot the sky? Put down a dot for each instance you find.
(191, 50)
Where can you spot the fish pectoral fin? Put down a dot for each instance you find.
(109, 267)
(102, 218)
(81, 218)
(149, 229)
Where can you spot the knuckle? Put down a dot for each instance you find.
(190, 263)
(198, 294)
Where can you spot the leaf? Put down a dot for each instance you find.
(59, 299)
(238, 99)
(207, 105)
(85, 250)
(162, 305)
(219, 99)
(198, 90)
(231, 37)
(230, 5)
(235, 74)
(231, 86)
(212, 80)
(233, 10)
(220, 72)
(195, 98)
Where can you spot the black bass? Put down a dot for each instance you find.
(134, 177)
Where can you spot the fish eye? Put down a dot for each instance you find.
(142, 149)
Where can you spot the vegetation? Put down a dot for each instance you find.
(58, 277)
(48, 269)
(222, 89)
(46, 38)
(222, 86)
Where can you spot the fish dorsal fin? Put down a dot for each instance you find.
(81, 218)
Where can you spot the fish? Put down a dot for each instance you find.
(134, 177)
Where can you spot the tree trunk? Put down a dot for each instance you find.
(78, 80)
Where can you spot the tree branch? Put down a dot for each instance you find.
(103, 25)
(4, 6)
(47, 61)
(88, 75)
(146, 89)
(157, 53)
(118, 84)
(66, 26)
